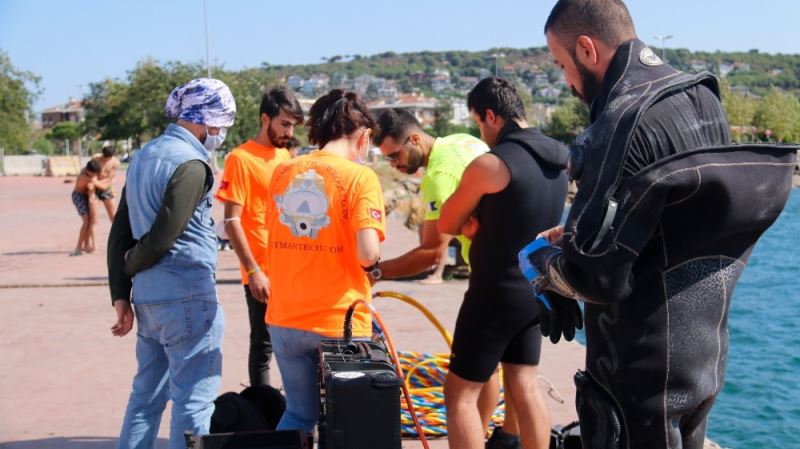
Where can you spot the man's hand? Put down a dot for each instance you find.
(553, 235)
(124, 322)
(562, 317)
(258, 283)
(470, 227)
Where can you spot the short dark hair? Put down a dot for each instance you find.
(279, 98)
(606, 20)
(109, 151)
(396, 123)
(335, 115)
(498, 95)
(93, 166)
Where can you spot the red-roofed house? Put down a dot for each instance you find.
(418, 104)
(71, 112)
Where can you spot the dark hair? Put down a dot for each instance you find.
(337, 114)
(93, 166)
(279, 98)
(396, 123)
(109, 151)
(606, 20)
(498, 95)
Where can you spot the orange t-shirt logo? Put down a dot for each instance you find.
(376, 215)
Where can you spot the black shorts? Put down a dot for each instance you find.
(494, 328)
(105, 194)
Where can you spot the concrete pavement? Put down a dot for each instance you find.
(65, 380)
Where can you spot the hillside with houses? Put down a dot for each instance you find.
(760, 93)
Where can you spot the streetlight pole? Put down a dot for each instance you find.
(205, 18)
(663, 38)
(495, 56)
(214, 164)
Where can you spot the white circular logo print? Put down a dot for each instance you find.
(649, 58)
(349, 375)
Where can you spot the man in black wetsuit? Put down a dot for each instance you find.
(666, 215)
(504, 199)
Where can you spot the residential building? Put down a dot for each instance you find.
(72, 111)
(418, 104)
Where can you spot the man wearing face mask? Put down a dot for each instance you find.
(243, 189)
(664, 221)
(163, 246)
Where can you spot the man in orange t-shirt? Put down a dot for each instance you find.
(321, 201)
(243, 189)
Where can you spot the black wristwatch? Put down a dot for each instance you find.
(374, 271)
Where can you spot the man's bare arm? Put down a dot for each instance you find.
(485, 175)
(421, 258)
(257, 280)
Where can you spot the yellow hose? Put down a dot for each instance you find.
(409, 300)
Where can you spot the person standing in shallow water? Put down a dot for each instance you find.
(162, 246)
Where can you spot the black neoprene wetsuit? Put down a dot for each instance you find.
(498, 321)
(665, 218)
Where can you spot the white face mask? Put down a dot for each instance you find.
(213, 142)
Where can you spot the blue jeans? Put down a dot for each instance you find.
(297, 353)
(179, 355)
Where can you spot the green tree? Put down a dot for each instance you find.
(524, 93)
(441, 119)
(42, 145)
(568, 120)
(779, 112)
(740, 110)
(247, 87)
(65, 131)
(18, 90)
(104, 110)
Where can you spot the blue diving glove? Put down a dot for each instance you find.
(528, 270)
(558, 315)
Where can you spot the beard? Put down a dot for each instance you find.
(277, 141)
(414, 161)
(591, 84)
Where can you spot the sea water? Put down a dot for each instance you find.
(759, 406)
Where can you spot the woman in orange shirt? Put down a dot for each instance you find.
(325, 221)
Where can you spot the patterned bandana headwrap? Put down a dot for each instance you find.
(204, 101)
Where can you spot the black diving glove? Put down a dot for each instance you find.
(563, 317)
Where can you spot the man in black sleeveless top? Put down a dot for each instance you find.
(505, 198)
(666, 215)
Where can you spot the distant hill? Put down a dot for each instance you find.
(453, 73)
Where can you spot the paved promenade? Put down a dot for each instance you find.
(64, 380)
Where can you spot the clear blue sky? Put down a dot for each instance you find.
(72, 43)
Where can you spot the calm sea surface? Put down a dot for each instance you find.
(760, 404)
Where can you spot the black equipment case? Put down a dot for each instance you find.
(267, 439)
(360, 396)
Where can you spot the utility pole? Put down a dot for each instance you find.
(214, 164)
(205, 18)
(495, 56)
(663, 38)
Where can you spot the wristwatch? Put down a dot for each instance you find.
(374, 271)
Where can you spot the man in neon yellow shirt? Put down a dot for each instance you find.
(407, 147)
